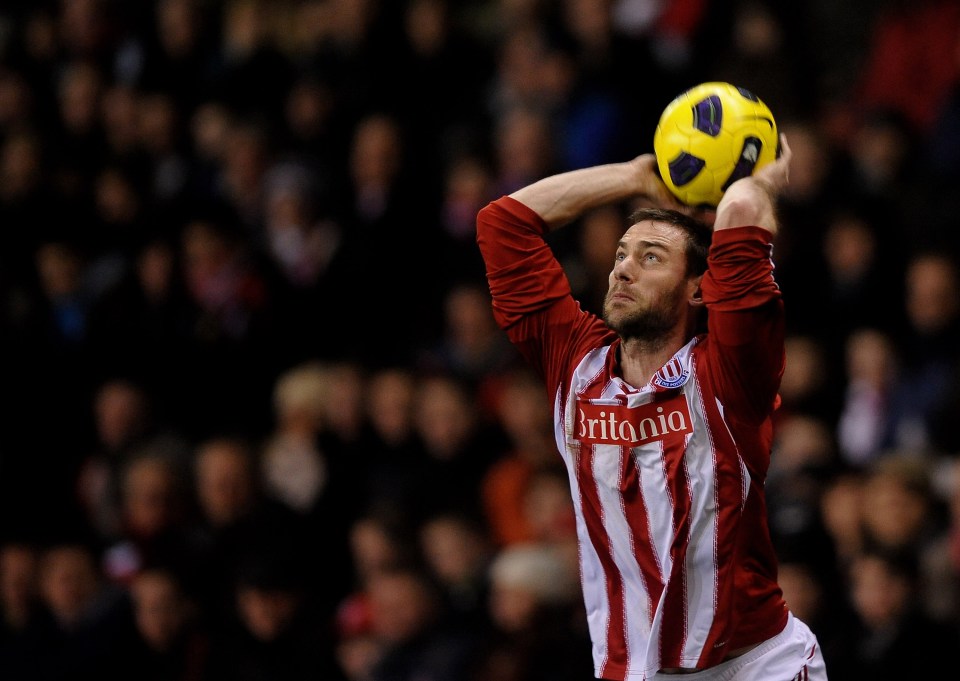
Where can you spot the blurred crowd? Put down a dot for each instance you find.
(258, 422)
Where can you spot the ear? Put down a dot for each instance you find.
(696, 295)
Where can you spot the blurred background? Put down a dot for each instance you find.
(258, 422)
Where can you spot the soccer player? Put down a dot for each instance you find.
(662, 414)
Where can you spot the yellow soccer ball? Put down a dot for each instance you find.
(710, 136)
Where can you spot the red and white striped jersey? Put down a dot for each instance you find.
(677, 565)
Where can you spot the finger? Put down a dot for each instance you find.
(784, 146)
(786, 155)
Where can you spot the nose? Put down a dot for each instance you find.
(622, 271)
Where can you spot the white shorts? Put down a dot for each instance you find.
(792, 655)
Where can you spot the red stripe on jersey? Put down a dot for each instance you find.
(728, 504)
(638, 520)
(675, 601)
(617, 653)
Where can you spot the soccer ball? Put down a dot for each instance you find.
(710, 136)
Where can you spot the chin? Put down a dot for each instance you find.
(612, 320)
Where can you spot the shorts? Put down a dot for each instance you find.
(792, 655)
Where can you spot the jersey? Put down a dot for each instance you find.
(676, 561)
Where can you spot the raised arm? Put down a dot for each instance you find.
(559, 199)
(753, 200)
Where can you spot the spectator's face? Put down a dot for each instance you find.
(879, 595)
(803, 371)
(80, 97)
(870, 357)
(513, 608)
(401, 607)
(159, 609)
(443, 417)
(179, 22)
(892, 513)
(120, 413)
(19, 165)
(453, 550)
(372, 548)
(224, 482)
(18, 567)
(375, 155)
(801, 590)
(68, 582)
(209, 127)
(469, 318)
(59, 268)
(841, 507)
(849, 248)
(931, 293)
(389, 399)
(549, 508)
(358, 655)
(149, 498)
(523, 410)
(116, 199)
(602, 230)
(155, 270)
(809, 164)
(266, 612)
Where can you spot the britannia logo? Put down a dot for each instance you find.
(671, 375)
(621, 425)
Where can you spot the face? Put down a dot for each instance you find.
(158, 607)
(266, 612)
(879, 595)
(224, 481)
(649, 286)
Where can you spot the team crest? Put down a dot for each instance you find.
(671, 375)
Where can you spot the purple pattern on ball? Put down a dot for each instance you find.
(708, 115)
(684, 168)
(747, 161)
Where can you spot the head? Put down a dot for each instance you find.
(69, 581)
(225, 478)
(160, 607)
(898, 501)
(655, 282)
(269, 596)
(527, 580)
(404, 603)
(151, 496)
(883, 584)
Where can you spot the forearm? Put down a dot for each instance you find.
(750, 202)
(559, 199)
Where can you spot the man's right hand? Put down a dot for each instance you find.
(656, 194)
(652, 190)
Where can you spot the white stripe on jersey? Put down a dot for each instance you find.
(591, 571)
(701, 564)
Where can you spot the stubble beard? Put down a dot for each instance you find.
(650, 325)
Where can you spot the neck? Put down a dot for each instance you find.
(640, 359)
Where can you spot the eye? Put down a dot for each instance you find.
(619, 256)
(650, 256)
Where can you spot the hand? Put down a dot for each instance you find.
(653, 191)
(752, 200)
(776, 175)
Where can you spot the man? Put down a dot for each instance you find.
(665, 428)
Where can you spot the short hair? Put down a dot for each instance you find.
(698, 234)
